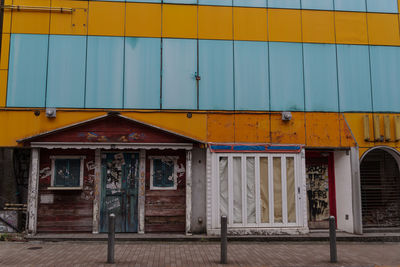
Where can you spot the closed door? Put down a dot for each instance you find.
(120, 174)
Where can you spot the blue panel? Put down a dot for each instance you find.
(216, 71)
(66, 74)
(320, 77)
(249, 148)
(284, 3)
(193, 2)
(27, 70)
(354, 78)
(104, 80)
(384, 6)
(144, 1)
(252, 3)
(216, 2)
(350, 5)
(385, 66)
(317, 4)
(251, 76)
(179, 89)
(286, 76)
(142, 73)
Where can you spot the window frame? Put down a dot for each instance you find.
(53, 169)
(175, 173)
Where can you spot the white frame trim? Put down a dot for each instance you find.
(53, 159)
(213, 194)
(175, 178)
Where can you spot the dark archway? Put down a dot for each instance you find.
(380, 188)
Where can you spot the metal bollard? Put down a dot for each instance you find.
(111, 238)
(332, 238)
(224, 239)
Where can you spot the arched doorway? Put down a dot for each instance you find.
(380, 188)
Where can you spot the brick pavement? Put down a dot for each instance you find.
(154, 254)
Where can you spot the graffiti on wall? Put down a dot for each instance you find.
(8, 218)
(318, 191)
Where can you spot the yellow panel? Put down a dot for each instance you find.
(252, 128)
(106, 18)
(195, 127)
(288, 132)
(69, 23)
(25, 21)
(356, 124)
(143, 20)
(179, 21)
(250, 24)
(322, 129)
(7, 17)
(362, 150)
(388, 128)
(383, 29)
(318, 26)
(5, 51)
(351, 28)
(3, 89)
(215, 22)
(284, 25)
(346, 137)
(220, 128)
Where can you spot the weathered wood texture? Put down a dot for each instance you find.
(165, 210)
(112, 129)
(70, 210)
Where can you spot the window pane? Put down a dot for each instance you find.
(290, 189)
(61, 172)
(168, 177)
(74, 172)
(67, 172)
(251, 190)
(157, 173)
(264, 190)
(237, 190)
(277, 190)
(223, 186)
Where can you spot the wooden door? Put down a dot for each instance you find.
(120, 175)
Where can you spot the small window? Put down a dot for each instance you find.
(67, 172)
(163, 173)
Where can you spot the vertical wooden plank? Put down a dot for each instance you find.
(97, 192)
(188, 190)
(284, 191)
(257, 183)
(303, 188)
(244, 191)
(33, 191)
(141, 198)
(230, 190)
(271, 190)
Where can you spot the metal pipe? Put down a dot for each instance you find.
(332, 239)
(224, 240)
(38, 8)
(111, 238)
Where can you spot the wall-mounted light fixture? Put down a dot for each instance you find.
(286, 116)
(51, 112)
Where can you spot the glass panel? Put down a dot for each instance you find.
(290, 189)
(27, 70)
(320, 78)
(223, 186)
(237, 190)
(286, 76)
(60, 172)
(350, 5)
(252, 87)
(179, 68)
(264, 190)
(104, 80)
(163, 173)
(354, 78)
(216, 71)
(157, 173)
(277, 190)
(67, 172)
(142, 84)
(251, 190)
(66, 73)
(385, 63)
(168, 177)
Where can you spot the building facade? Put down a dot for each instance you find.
(171, 113)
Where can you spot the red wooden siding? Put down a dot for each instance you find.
(112, 129)
(165, 210)
(72, 210)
